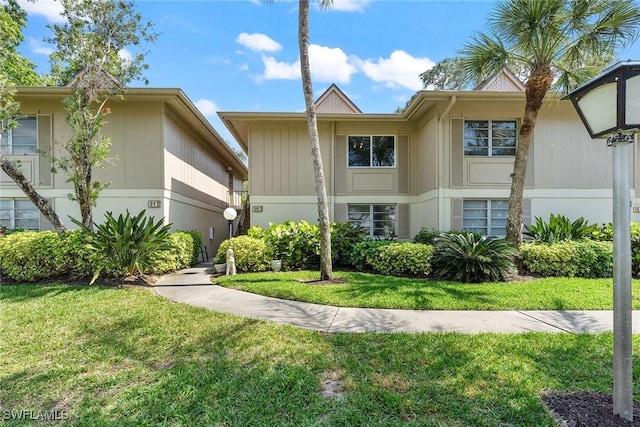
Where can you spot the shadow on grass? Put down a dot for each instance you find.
(25, 292)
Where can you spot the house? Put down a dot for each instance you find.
(443, 163)
(167, 159)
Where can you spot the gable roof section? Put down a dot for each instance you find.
(333, 100)
(504, 81)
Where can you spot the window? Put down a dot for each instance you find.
(490, 137)
(372, 151)
(487, 217)
(377, 220)
(19, 213)
(22, 139)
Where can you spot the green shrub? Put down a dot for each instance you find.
(467, 258)
(196, 241)
(604, 232)
(428, 237)
(296, 244)
(568, 259)
(178, 254)
(129, 241)
(251, 254)
(402, 259)
(559, 228)
(33, 255)
(344, 237)
(364, 253)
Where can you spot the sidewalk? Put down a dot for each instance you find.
(193, 286)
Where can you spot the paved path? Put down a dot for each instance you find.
(193, 286)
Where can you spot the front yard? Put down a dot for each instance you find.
(124, 356)
(376, 291)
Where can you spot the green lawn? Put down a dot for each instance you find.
(371, 290)
(126, 357)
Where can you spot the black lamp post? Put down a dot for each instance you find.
(609, 107)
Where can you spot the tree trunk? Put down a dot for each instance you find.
(536, 88)
(326, 270)
(40, 202)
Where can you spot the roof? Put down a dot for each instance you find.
(333, 100)
(504, 81)
(173, 98)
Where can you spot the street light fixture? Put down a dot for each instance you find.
(230, 214)
(609, 107)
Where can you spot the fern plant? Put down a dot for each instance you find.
(559, 228)
(472, 259)
(128, 241)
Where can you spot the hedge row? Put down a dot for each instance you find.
(31, 256)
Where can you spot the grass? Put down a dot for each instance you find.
(376, 291)
(124, 356)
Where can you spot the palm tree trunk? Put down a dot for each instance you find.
(40, 202)
(326, 270)
(536, 88)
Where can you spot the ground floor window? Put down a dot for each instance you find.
(19, 213)
(377, 220)
(487, 217)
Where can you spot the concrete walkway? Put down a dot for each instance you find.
(193, 286)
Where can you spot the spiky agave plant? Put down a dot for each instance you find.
(473, 259)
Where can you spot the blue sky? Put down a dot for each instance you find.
(242, 55)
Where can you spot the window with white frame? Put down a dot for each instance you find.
(377, 220)
(372, 151)
(487, 217)
(22, 139)
(490, 137)
(19, 213)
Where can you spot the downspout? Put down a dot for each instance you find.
(439, 164)
(332, 167)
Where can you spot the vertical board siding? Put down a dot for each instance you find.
(340, 212)
(340, 165)
(402, 221)
(526, 211)
(403, 164)
(44, 144)
(528, 177)
(456, 214)
(457, 153)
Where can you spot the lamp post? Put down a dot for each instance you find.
(609, 107)
(230, 214)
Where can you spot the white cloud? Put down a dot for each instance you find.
(258, 42)
(399, 70)
(330, 64)
(39, 48)
(125, 55)
(244, 67)
(50, 9)
(274, 70)
(349, 5)
(327, 65)
(206, 107)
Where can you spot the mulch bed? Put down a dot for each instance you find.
(587, 409)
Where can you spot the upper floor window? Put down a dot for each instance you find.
(19, 213)
(377, 220)
(490, 137)
(22, 139)
(372, 151)
(487, 217)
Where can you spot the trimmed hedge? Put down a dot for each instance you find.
(403, 259)
(572, 258)
(250, 253)
(32, 256)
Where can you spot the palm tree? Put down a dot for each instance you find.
(559, 44)
(326, 270)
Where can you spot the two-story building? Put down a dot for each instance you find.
(443, 163)
(167, 159)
